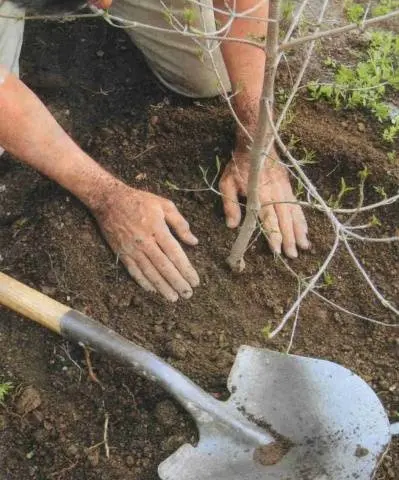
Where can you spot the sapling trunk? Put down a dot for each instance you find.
(262, 143)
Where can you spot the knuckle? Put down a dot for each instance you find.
(184, 225)
(169, 205)
(225, 181)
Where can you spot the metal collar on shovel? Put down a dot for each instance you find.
(288, 417)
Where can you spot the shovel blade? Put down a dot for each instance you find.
(336, 425)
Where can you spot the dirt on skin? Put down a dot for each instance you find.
(100, 89)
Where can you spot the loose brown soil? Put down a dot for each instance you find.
(100, 89)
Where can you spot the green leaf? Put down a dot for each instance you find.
(5, 389)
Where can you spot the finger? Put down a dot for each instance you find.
(284, 216)
(231, 206)
(179, 224)
(300, 227)
(271, 228)
(137, 274)
(169, 272)
(156, 279)
(175, 253)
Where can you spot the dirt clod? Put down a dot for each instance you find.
(176, 349)
(166, 413)
(28, 401)
(93, 457)
(361, 451)
(270, 454)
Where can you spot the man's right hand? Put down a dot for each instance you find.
(135, 224)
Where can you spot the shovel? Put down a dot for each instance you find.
(287, 418)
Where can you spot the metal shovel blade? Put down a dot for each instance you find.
(334, 426)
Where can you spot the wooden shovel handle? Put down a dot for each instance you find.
(30, 303)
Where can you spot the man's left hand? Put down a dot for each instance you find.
(283, 222)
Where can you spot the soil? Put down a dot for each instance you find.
(100, 89)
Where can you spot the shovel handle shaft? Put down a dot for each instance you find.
(31, 303)
(85, 331)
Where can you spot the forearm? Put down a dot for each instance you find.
(245, 63)
(29, 132)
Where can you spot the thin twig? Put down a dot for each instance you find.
(310, 286)
(337, 31)
(105, 439)
(295, 321)
(92, 375)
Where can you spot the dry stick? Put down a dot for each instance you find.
(295, 321)
(263, 136)
(373, 206)
(310, 286)
(337, 31)
(64, 470)
(353, 314)
(105, 437)
(365, 275)
(302, 70)
(333, 304)
(349, 231)
(128, 24)
(92, 375)
(338, 226)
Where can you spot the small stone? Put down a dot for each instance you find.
(28, 401)
(137, 301)
(100, 53)
(40, 435)
(278, 310)
(391, 473)
(129, 461)
(72, 450)
(166, 413)
(361, 127)
(176, 349)
(47, 425)
(158, 329)
(154, 120)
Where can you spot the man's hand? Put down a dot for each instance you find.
(284, 223)
(135, 224)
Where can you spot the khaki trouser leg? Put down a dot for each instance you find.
(180, 62)
(11, 36)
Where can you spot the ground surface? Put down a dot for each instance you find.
(102, 92)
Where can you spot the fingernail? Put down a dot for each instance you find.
(173, 297)
(291, 252)
(231, 223)
(276, 249)
(192, 239)
(187, 294)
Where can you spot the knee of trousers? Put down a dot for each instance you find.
(11, 36)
